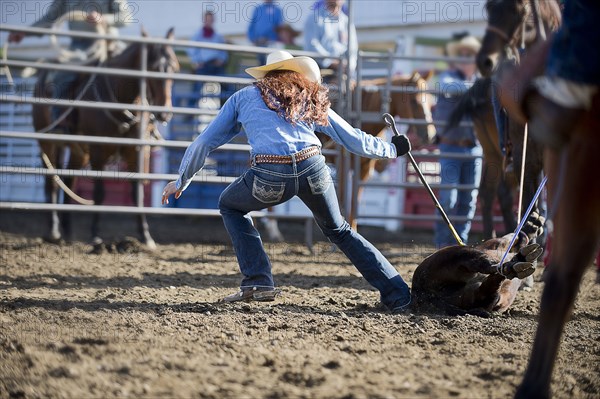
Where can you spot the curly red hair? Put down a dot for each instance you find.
(294, 97)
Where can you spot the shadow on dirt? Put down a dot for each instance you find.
(181, 279)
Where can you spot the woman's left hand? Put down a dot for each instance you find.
(170, 188)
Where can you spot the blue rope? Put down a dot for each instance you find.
(522, 223)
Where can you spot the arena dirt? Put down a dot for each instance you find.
(148, 324)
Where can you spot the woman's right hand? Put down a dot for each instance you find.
(402, 144)
(170, 188)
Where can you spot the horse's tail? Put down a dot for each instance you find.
(62, 184)
(469, 102)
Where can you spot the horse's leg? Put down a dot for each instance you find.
(506, 199)
(576, 236)
(143, 228)
(533, 177)
(51, 192)
(77, 158)
(272, 227)
(98, 196)
(487, 192)
(530, 174)
(131, 154)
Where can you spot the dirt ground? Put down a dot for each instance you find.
(147, 324)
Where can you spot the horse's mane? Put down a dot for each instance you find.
(155, 51)
(550, 13)
(124, 56)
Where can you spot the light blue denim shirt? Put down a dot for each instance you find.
(327, 34)
(269, 133)
(265, 20)
(201, 55)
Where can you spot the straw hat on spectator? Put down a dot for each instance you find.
(283, 61)
(466, 43)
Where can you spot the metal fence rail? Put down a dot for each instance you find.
(143, 75)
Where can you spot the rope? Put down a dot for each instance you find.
(522, 182)
(62, 184)
(521, 224)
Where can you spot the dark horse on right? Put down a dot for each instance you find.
(498, 55)
(574, 194)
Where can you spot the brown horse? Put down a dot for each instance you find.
(511, 25)
(460, 280)
(476, 103)
(407, 104)
(575, 196)
(99, 122)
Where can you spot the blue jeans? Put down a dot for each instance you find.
(266, 185)
(458, 202)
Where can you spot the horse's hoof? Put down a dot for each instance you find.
(150, 244)
(54, 239)
(517, 269)
(98, 248)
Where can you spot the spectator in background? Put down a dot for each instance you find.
(326, 32)
(262, 30)
(206, 61)
(460, 140)
(286, 36)
(87, 16)
(321, 4)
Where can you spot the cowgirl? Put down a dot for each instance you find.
(280, 115)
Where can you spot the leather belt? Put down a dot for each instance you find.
(459, 143)
(288, 159)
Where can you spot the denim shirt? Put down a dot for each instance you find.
(202, 55)
(269, 133)
(264, 21)
(328, 35)
(452, 85)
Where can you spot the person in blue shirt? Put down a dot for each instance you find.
(326, 32)
(280, 114)
(205, 61)
(459, 140)
(263, 25)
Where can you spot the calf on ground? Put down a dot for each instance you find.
(462, 280)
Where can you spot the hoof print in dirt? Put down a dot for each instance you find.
(302, 379)
(63, 372)
(90, 341)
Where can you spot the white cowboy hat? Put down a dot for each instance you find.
(467, 42)
(283, 61)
